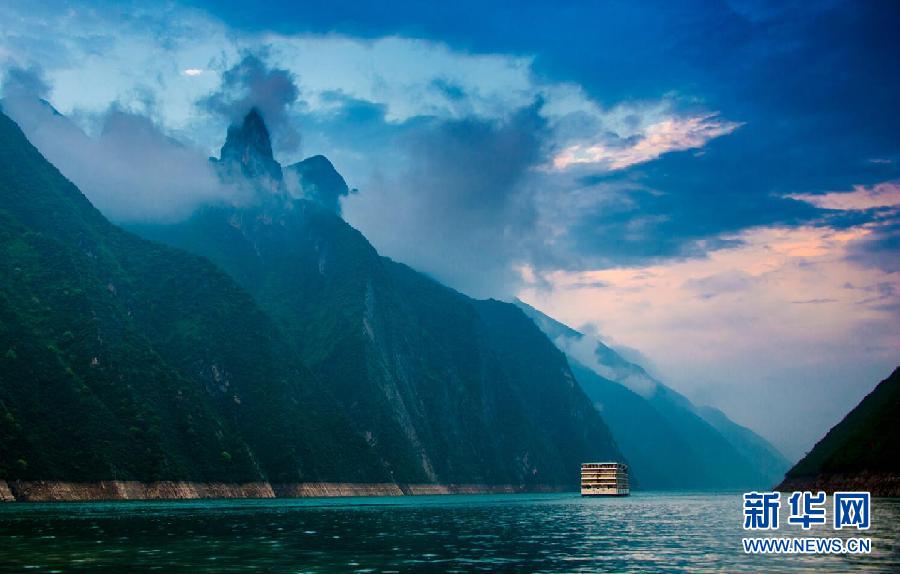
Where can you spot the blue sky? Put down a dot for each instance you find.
(714, 184)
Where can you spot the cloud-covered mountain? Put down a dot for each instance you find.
(431, 378)
(247, 154)
(315, 179)
(125, 360)
(670, 442)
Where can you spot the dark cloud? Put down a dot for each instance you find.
(682, 204)
(815, 85)
(251, 83)
(814, 95)
(361, 117)
(460, 204)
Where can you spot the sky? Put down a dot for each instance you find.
(713, 185)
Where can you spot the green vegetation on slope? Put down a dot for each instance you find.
(124, 359)
(121, 358)
(425, 373)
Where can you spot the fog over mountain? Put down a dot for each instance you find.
(120, 166)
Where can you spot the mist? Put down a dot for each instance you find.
(131, 170)
(459, 201)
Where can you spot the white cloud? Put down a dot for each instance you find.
(131, 170)
(410, 76)
(670, 134)
(176, 56)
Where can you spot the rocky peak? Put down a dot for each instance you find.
(318, 181)
(248, 150)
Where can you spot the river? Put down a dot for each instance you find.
(646, 532)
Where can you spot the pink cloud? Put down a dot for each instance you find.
(785, 313)
(885, 194)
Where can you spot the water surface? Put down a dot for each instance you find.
(646, 532)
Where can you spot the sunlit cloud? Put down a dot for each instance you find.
(672, 134)
(881, 195)
(192, 72)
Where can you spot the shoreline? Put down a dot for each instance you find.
(63, 491)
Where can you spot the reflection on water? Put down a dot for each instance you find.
(647, 532)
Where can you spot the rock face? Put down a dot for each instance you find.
(247, 152)
(318, 181)
(860, 452)
(58, 491)
(6, 494)
(46, 491)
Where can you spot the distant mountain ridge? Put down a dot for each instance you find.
(670, 443)
(860, 452)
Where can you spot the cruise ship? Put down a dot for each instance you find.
(604, 479)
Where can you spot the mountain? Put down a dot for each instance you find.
(246, 159)
(860, 452)
(300, 356)
(247, 153)
(445, 388)
(122, 359)
(670, 443)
